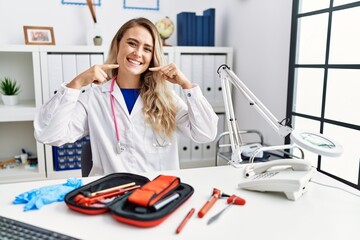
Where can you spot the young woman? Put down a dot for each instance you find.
(131, 115)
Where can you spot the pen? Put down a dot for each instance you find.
(166, 201)
(186, 219)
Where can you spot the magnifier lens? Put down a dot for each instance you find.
(316, 143)
(317, 140)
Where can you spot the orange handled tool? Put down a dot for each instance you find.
(87, 201)
(215, 196)
(232, 200)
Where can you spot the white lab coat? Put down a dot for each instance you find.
(70, 115)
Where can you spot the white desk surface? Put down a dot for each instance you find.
(321, 213)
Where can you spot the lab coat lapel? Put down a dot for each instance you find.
(119, 99)
(138, 106)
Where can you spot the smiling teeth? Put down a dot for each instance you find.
(134, 62)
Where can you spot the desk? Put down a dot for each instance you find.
(322, 213)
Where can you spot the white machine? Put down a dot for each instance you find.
(248, 150)
(291, 175)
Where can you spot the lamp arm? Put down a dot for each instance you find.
(227, 75)
(314, 142)
(235, 137)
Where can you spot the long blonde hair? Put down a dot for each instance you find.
(159, 107)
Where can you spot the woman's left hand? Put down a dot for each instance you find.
(171, 73)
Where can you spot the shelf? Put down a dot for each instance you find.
(73, 49)
(33, 48)
(20, 174)
(199, 50)
(24, 111)
(18, 48)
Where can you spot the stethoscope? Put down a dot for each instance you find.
(119, 147)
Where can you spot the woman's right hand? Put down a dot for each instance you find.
(95, 74)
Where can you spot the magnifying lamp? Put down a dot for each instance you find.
(314, 142)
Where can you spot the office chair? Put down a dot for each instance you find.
(254, 136)
(86, 159)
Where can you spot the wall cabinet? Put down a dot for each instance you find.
(200, 65)
(62, 65)
(41, 69)
(21, 63)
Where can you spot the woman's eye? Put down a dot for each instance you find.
(132, 44)
(148, 50)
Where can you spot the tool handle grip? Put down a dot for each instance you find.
(206, 207)
(87, 201)
(113, 189)
(111, 194)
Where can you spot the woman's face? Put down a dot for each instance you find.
(135, 50)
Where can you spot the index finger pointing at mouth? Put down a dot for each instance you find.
(155, 69)
(108, 66)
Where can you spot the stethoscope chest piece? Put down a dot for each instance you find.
(119, 148)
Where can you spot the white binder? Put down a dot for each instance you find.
(55, 73)
(69, 67)
(196, 151)
(186, 66)
(209, 148)
(197, 70)
(219, 60)
(184, 144)
(96, 58)
(209, 77)
(82, 63)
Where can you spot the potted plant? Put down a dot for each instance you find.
(9, 90)
(97, 40)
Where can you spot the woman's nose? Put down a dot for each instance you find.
(136, 53)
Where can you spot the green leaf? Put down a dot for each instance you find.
(9, 86)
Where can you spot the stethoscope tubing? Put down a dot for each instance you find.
(113, 109)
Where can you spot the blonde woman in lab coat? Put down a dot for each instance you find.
(130, 114)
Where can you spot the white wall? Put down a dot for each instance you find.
(258, 30)
(72, 23)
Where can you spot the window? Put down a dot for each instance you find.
(324, 80)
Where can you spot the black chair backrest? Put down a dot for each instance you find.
(86, 159)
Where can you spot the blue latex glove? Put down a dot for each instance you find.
(36, 198)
